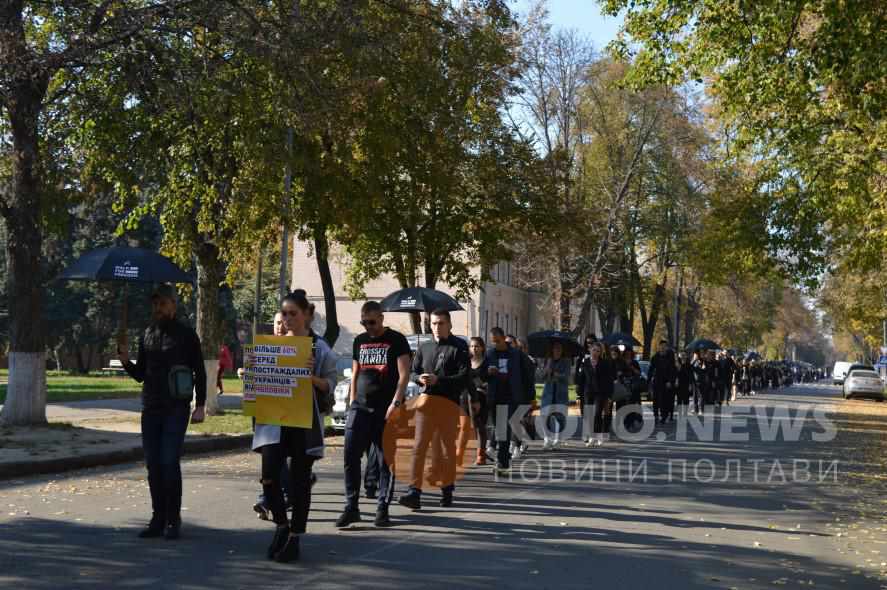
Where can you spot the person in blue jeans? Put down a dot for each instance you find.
(167, 346)
(380, 372)
(555, 395)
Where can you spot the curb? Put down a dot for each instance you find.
(201, 444)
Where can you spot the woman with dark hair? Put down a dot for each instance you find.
(478, 375)
(302, 445)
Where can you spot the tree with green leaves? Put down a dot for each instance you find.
(445, 179)
(799, 93)
(39, 42)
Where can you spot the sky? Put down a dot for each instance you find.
(582, 15)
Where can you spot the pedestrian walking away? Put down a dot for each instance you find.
(170, 368)
(380, 372)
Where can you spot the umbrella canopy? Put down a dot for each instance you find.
(703, 344)
(623, 338)
(752, 356)
(121, 263)
(419, 299)
(539, 343)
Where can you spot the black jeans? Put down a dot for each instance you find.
(163, 436)
(292, 444)
(603, 416)
(502, 432)
(365, 430)
(371, 473)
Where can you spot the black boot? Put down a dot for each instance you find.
(155, 528)
(173, 529)
(412, 500)
(382, 518)
(279, 540)
(290, 551)
(347, 518)
(446, 498)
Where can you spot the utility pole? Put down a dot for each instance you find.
(283, 287)
(677, 309)
(257, 308)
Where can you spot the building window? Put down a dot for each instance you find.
(507, 324)
(497, 320)
(516, 326)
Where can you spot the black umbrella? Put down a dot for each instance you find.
(130, 265)
(703, 344)
(752, 356)
(126, 265)
(623, 338)
(419, 299)
(539, 343)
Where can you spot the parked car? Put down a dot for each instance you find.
(839, 372)
(342, 396)
(343, 388)
(863, 383)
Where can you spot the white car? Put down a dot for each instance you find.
(863, 383)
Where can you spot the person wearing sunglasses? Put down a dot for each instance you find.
(380, 372)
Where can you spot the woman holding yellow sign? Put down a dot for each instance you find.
(303, 445)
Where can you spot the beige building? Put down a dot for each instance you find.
(497, 303)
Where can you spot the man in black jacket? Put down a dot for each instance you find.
(440, 367)
(169, 363)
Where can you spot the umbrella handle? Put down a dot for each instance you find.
(123, 311)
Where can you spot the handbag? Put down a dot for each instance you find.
(620, 392)
(181, 383)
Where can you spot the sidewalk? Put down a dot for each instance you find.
(91, 433)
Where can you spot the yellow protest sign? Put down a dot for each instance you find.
(277, 385)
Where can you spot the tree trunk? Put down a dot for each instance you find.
(653, 317)
(210, 273)
(321, 252)
(22, 210)
(565, 303)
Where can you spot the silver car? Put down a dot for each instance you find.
(863, 383)
(343, 394)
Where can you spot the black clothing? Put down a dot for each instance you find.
(597, 382)
(449, 361)
(292, 444)
(377, 367)
(663, 374)
(164, 345)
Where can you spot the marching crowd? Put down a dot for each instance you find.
(468, 390)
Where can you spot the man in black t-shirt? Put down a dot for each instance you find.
(380, 371)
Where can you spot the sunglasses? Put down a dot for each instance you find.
(368, 323)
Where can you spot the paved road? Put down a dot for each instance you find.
(574, 530)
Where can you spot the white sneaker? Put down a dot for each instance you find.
(548, 445)
(516, 452)
(589, 443)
